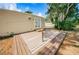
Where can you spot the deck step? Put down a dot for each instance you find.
(52, 47)
(21, 46)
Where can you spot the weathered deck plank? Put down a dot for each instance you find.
(52, 46)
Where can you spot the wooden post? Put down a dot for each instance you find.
(42, 36)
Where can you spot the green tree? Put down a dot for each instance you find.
(30, 12)
(59, 13)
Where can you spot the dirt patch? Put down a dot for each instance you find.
(70, 45)
(6, 46)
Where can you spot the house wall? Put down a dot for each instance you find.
(12, 21)
(49, 25)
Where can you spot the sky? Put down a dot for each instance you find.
(37, 8)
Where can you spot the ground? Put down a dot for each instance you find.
(70, 45)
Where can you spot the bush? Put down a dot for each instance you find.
(64, 25)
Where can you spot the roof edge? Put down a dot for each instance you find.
(21, 12)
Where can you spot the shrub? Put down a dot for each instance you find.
(64, 25)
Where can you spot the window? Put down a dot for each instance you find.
(37, 23)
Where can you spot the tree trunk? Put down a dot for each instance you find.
(67, 11)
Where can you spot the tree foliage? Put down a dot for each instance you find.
(63, 15)
(30, 12)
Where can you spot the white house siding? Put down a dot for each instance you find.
(12, 21)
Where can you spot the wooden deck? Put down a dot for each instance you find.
(17, 46)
